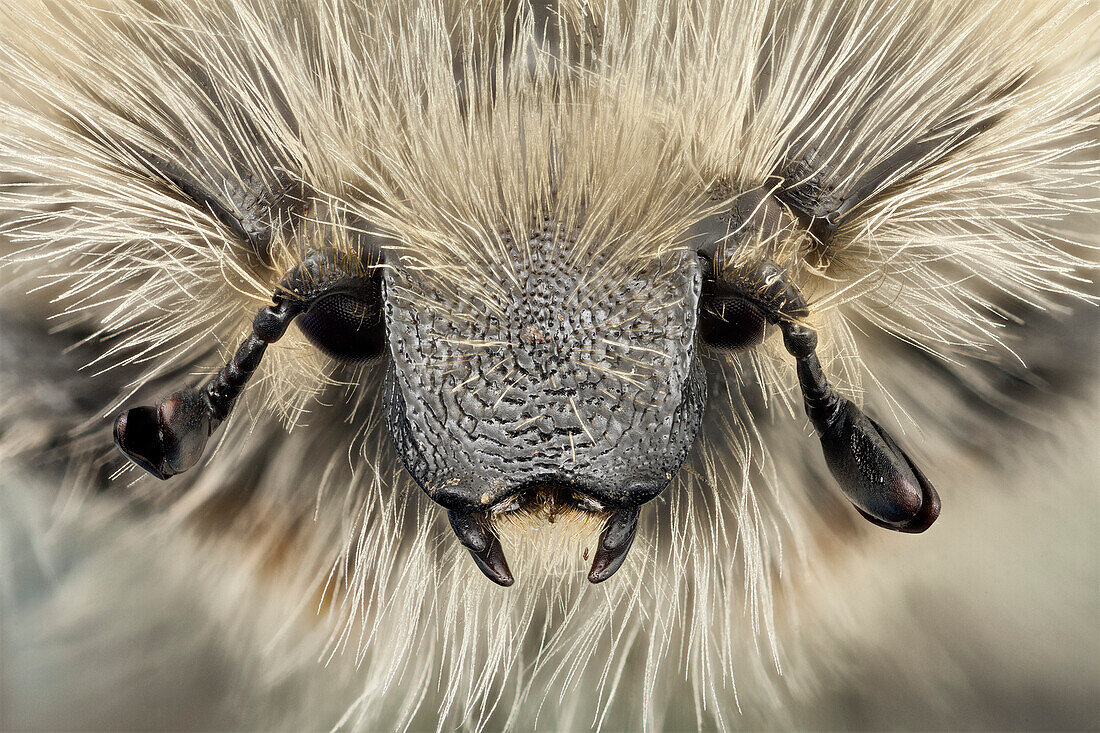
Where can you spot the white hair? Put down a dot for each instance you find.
(332, 580)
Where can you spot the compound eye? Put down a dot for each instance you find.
(347, 325)
(730, 322)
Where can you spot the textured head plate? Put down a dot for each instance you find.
(574, 378)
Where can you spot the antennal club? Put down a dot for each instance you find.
(876, 475)
(170, 438)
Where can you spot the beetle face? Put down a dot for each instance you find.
(569, 386)
(541, 385)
